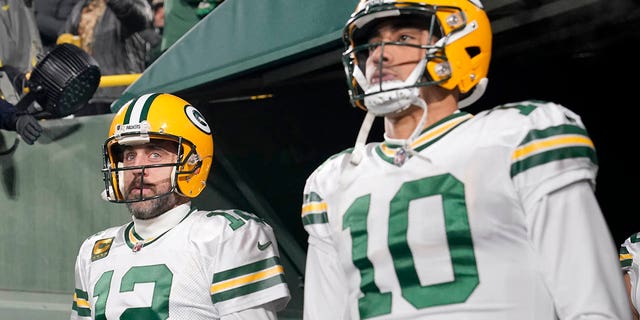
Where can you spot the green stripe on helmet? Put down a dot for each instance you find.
(138, 109)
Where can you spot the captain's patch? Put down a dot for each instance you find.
(101, 249)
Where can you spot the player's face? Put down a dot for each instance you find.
(149, 182)
(391, 61)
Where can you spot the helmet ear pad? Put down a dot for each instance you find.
(192, 175)
(467, 46)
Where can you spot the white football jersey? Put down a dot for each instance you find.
(211, 264)
(629, 261)
(448, 232)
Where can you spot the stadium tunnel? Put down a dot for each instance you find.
(267, 76)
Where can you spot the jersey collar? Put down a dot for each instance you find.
(144, 232)
(388, 149)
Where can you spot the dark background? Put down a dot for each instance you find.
(578, 53)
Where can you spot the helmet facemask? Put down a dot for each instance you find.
(458, 60)
(114, 170)
(387, 97)
(158, 118)
(455, 58)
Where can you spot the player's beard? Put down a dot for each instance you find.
(149, 209)
(152, 208)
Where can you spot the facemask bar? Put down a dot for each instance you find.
(113, 171)
(354, 58)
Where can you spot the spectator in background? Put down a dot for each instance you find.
(152, 36)
(182, 15)
(158, 15)
(50, 18)
(158, 27)
(24, 125)
(20, 46)
(109, 32)
(20, 43)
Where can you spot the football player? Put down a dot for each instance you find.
(453, 216)
(173, 261)
(629, 254)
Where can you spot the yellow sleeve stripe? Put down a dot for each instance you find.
(81, 302)
(625, 256)
(559, 142)
(241, 281)
(314, 207)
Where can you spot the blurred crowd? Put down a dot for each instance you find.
(123, 36)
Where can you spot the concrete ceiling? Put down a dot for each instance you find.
(524, 31)
(561, 27)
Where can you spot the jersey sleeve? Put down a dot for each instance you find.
(92, 248)
(552, 149)
(627, 253)
(577, 255)
(629, 250)
(325, 293)
(314, 206)
(553, 168)
(81, 309)
(245, 267)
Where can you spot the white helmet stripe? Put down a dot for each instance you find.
(140, 109)
(135, 128)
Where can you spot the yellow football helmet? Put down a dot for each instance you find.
(166, 117)
(458, 57)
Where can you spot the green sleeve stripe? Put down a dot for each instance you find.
(311, 197)
(553, 155)
(81, 294)
(623, 250)
(315, 218)
(248, 289)
(82, 312)
(534, 135)
(84, 297)
(246, 269)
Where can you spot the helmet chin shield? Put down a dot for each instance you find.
(391, 96)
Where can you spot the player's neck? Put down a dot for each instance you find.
(403, 125)
(153, 227)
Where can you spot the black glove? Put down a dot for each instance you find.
(28, 128)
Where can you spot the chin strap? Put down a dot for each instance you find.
(361, 140)
(406, 143)
(423, 119)
(358, 149)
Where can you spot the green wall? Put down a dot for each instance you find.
(50, 202)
